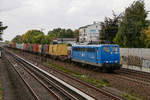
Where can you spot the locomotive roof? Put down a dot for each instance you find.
(95, 45)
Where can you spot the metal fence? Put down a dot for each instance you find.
(139, 57)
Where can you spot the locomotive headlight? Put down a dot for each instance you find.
(116, 61)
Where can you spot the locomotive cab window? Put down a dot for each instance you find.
(115, 49)
(106, 49)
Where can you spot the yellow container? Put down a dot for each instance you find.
(40, 48)
(58, 50)
(61, 49)
(54, 50)
(51, 52)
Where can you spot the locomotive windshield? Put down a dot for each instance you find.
(106, 49)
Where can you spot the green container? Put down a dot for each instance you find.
(30, 47)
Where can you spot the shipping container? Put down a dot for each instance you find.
(62, 49)
(40, 48)
(30, 47)
(46, 49)
(58, 50)
(14, 45)
(35, 48)
(25, 47)
(21, 46)
(43, 49)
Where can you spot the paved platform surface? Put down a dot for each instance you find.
(8, 89)
(144, 69)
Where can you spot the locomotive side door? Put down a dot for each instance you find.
(106, 54)
(97, 55)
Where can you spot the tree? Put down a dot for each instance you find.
(109, 28)
(55, 32)
(6, 41)
(17, 39)
(32, 36)
(66, 33)
(76, 34)
(69, 33)
(130, 32)
(2, 28)
(61, 33)
(38, 38)
(147, 40)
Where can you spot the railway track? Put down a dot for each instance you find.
(129, 81)
(106, 95)
(48, 85)
(27, 76)
(143, 77)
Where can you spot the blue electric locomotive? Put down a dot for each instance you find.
(105, 56)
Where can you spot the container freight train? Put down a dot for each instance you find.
(104, 56)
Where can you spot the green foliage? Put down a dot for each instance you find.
(17, 39)
(105, 81)
(54, 33)
(2, 28)
(147, 37)
(69, 44)
(130, 32)
(46, 39)
(66, 33)
(109, 28)
(60, 33)
(32, 36)
(36, 36)
(128, 97)
(6, 41)
(76, 34)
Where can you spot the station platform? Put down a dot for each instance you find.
(144, 69)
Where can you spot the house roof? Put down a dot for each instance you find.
(66, 39)
(88, 25)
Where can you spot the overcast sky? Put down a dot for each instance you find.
(23, 15)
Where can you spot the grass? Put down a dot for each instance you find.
(16, 51)
(80, 76)
(129, 97)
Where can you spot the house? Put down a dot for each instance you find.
(89, 33)
(65, 40)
